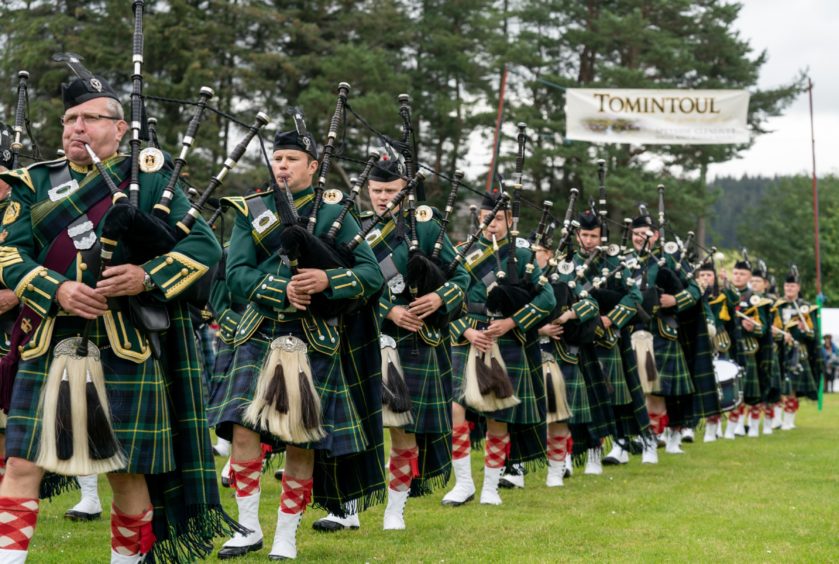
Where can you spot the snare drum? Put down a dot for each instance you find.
(728, 375)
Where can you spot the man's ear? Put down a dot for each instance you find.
(122, 128)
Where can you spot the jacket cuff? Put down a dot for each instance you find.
(585, 310)
(228, 321)
(38, 288)
(270, 292)
(528, 316)
(451, 294)
(459, 326)
(343, 284)
(684, 300)
(620, 315)
(174, 272)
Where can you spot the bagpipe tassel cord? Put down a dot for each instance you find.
(286, 402)
(487, 384)
(396, 400)
(77, 438)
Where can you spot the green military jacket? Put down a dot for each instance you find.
(721, 314)
(685, 299)
(481, 264)
(39, 213)
(756, 308)
(387, 245)
(625, 310)
(257, 272)
(226, 307)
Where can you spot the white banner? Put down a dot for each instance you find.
(657, 117)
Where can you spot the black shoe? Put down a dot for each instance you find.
(449, 503)
(225, 482)
(236, 551)
(276, 557)
(636, 446)
(329, 526)
(279, 474)
(80, 516)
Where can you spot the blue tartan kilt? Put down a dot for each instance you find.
(339, 419)
(522, 376)
(673, 371)
(137, 396)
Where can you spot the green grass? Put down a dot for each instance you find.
(774, 499)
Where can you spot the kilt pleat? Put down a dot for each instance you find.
(751, 380)
(672, 367)
(610, 360)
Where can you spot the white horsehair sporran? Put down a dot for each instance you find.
(642, 346)
(286, 402)
(396, 400)
(488, 371)
(76, 435)
(558, 408)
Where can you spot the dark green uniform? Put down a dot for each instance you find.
(427, 373)
(256, 271)
(801, 366)
(156, 405)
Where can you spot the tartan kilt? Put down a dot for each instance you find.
(522, 375)
(528, 442)
(632, 418)
(610, 360)
(803, 382)
(429, 383)
(137, 396)
(339, 418)
(751, 381)
(575, 391)
(218, 378)
(773, 394)
(428, 375)
(602, 423)
(673, 372)
(355, 482)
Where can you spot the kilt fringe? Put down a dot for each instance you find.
(54, 485)
(425, 485)
(77, 438)
(188, 541)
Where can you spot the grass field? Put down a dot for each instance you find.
(772, 499)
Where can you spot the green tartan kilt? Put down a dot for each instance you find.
(575, 391)
(632, 418)
(521, 373)
(428, 375)
(429, 383)
(610, 360)
(751, 380)
(339, 418)
(218, 377)
(803, 382)
(672, 367)
(137, 395)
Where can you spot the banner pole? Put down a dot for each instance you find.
(495, 141)
(819, 295)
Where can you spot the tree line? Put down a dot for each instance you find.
(449, 55)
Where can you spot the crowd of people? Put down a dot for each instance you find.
(334, 325)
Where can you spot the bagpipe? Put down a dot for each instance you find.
(512, 292)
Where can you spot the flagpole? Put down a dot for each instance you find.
(503, 90)
(819, 294)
